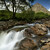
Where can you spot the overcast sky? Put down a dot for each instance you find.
(45, 3)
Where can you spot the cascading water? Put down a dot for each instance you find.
(8, 40)
(48, 32)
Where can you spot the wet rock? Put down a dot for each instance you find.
(45, 40)
(47, 23)
(18, 29)
(28, 32)
(1, 28)
(9, 24)
(39, 29)
(3, 25)
(38, 22)
(21, 23)
(27, 44)
(46, 46)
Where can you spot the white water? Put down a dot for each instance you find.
(8, 40)
(48, 32)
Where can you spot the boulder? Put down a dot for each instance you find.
(45, 40)
(46, 47)
(27, 44)
(39, 29)
(1, 28)
(47, 23)
(28, 32)
(9, 24)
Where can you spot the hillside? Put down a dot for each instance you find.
(39, 8)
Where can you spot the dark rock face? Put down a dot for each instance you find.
(4, 25)
(27, 44)
(39, 29)
(46, 45)
(28, 32)
(47, 23)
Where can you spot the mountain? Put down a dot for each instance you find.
(39, 8)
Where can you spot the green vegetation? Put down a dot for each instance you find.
(5, 15)
(41, 15)
(25, 16)
(28, 16)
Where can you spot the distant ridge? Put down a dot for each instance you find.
(39, 8)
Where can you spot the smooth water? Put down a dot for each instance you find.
(48, 32)
(8, 40)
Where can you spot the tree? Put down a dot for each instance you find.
(5, 4)
(16, 5)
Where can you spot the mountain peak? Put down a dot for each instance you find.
(37, 3)
(39, 8)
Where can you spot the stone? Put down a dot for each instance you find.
(39, 29)
(27, 44)
(46, 47)
(9, 24)
(47, 23)
(28, 32)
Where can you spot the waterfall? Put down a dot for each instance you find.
(8, 40)
(48, 32)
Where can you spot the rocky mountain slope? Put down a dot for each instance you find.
(39, 8)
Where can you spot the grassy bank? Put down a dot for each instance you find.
(28, 16)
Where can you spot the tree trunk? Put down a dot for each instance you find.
(13, 2)
(6, 5)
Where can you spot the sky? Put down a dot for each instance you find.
(45, 3)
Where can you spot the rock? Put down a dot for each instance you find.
(28, 32)
(9, 24)
(1, 28)
(27, 44)
(45, 40)
(38, 22)
(18, 29)
(3, 25)
(21, 23)
(47, 23)
(46, 47)
(39, 29)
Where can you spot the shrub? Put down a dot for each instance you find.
(41, 15)
(5, 15)
(25, 16)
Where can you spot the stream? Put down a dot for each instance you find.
(8, 40)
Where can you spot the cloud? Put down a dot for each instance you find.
(49, 9)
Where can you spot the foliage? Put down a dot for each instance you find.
(5, 15)
(17, 2)
(27, 16)
(41, 15)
